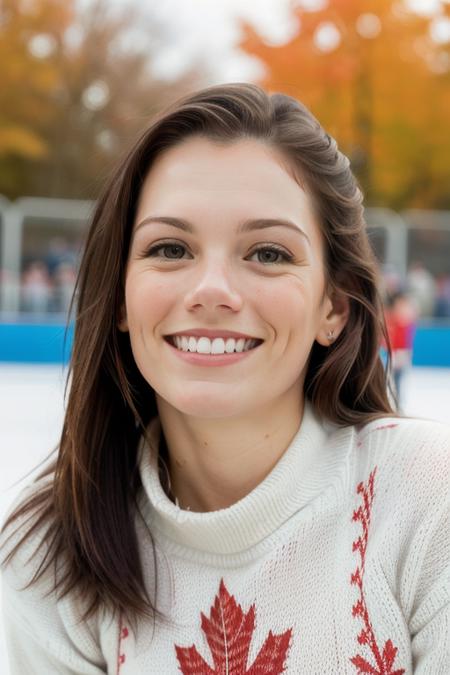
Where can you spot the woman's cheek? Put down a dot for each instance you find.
(147, 298)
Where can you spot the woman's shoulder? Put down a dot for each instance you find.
(58, 638)
(24, 528)
(406, 435)
(408, 459)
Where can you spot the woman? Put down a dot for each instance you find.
(233, 492)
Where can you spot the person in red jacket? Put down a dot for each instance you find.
(400, 322)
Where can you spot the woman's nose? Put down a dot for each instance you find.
(213, 286)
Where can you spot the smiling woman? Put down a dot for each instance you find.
(263, 278)
(229, 447)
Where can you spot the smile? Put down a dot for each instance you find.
(205, 345)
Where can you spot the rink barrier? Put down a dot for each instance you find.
(28, 342)
(35, 342)
(432, 345)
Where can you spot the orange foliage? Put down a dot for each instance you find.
(386, 99)
(57, 138)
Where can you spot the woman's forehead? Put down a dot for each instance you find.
(244, 160)
(201, 172)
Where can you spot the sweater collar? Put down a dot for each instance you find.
(306, 469)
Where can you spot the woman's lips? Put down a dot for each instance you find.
(211, 359)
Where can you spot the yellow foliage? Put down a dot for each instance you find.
(23, 142)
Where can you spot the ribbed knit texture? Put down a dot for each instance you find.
(337, 562)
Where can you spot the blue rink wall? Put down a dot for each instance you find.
(28, 342)
(35, 342)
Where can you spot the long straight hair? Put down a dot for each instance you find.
(85, 509)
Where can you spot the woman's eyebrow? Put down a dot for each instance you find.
(247, 226)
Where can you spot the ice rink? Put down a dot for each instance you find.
(32, 408)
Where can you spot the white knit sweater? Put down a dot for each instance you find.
(337, 562)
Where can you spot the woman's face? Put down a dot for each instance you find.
(232, 266)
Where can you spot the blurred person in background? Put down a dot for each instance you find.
(64, 277)
(421, 286)
(231, 477)
(60, 252)
(37, 288)
(401, 317)
(391, 282)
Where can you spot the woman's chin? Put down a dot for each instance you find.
(206, 406)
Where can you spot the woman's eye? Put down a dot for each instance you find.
(267, 255)
(174, 251)
(271, 252)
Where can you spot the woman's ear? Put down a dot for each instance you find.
(337, 311)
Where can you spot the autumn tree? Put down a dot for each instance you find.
(376, 79)
(77, 89)
(27, 83)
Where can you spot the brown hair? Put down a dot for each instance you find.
(89, 504)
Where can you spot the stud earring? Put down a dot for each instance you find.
(330, 336)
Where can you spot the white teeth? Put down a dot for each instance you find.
(203, 345)
(218, 346)
(229, 345)
(240, 345)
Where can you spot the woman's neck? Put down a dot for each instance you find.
(201, 472)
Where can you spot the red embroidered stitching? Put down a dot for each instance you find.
(123, 633)
(361, 441)
(392, 425)
(384, 661)
(229, 632)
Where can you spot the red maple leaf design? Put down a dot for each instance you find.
(229, 632)
(385, 660)
(123, 633)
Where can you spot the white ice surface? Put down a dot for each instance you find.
(32, 409)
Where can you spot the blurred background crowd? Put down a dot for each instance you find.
(47, 283)
(82, 78)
